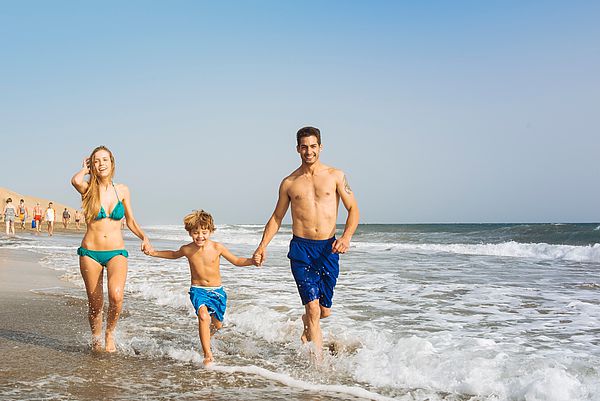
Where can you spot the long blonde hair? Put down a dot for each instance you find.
(91, 197)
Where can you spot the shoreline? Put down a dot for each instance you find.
(46, 353)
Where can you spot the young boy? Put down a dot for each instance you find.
(206, 293)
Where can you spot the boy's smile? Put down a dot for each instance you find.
(200, 236)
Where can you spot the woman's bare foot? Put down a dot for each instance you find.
(305, 336)
(109, 340)
(97, 343)
(208, 359)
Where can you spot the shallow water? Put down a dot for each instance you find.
(421, 312)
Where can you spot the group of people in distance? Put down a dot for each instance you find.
(20, 213)
(313, 191)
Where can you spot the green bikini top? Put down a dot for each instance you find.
(117, 213)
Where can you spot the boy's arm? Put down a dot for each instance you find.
(234, 260)
(166, 254)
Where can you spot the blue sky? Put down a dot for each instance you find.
(437, 111)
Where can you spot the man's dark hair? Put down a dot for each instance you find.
(308, 131)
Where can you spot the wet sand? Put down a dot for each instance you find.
(44, 344)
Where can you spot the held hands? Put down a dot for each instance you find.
(259, 256)
(146, 247)
(340, 245)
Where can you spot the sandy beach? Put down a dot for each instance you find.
(46, 355)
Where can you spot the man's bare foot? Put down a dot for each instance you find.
(208, 359)
(305, 336)
(96, 343)
(109, 340)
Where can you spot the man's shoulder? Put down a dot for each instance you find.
(291, 177)
(332, 171)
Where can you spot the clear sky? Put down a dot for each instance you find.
(438, 111)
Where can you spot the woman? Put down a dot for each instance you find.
(9, 216)
(49, 217)
(23, 213)
(104, 205)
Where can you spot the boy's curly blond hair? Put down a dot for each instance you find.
(199, 219)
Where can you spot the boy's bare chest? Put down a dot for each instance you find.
(205, 259)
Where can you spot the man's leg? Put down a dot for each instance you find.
(313, 327)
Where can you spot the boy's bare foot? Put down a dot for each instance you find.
(96, 343)
(305, 336)
(109, 340)
(208, 359)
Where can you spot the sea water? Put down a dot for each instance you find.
(421, 312)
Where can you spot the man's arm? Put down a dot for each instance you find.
(342, 244)
(273, 225)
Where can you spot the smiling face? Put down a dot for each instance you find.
(200, 235)
(103, 163)
(309, 149)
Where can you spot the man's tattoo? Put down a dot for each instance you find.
(347, 186)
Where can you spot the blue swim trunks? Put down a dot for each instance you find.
(214, 298)
(315, 269)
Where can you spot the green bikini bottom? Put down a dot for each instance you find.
(102, 257)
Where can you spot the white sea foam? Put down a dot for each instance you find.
(543, 251)
(289, 381)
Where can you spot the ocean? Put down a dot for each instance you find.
(421, 312)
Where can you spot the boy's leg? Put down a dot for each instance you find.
(215, 325)
(204, 321)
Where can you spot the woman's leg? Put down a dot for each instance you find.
(117, 275)
(92, 273)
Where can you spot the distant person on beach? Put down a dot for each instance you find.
(206, 292)
(104, 205)
(9, 212)
(49, 216)
(78, 219)
(314, 191)
(37, 217)
(66, 217)
(23, 213)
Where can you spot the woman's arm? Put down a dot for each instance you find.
(130, 219)
(78, 180)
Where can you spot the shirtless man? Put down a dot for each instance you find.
(314, 191)
(37, 216)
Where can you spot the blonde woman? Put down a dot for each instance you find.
(104, 205)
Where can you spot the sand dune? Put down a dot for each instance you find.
(30, 202)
